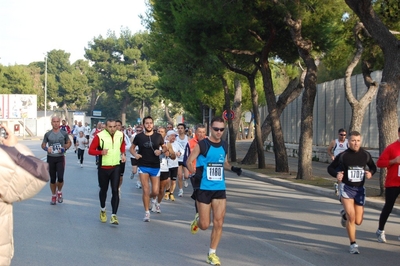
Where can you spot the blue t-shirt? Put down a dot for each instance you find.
(210, 164)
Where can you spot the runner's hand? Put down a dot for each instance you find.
(237, 170)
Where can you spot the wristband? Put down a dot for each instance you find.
(45, 148)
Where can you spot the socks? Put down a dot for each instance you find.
(211, 251)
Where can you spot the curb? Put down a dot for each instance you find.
(329, 193)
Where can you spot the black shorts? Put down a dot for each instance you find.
(164, 176)
(180, 163)
(173, 173)
(206, 196)
(134, 162)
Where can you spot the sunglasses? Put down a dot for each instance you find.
(218, 129)
(342, 134)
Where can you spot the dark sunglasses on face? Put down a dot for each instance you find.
(342, 135)
(218, 129)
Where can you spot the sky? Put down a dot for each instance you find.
(31, 28)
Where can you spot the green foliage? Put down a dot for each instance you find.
(16, 80)
(123, 67)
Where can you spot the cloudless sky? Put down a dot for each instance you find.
(31, 28)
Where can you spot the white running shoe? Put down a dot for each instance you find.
(153, 206)
(158, 209)
(354, 249)
(185, 183)
(146, 217)
(138, 185)
(381, 236)
(81, 165)
(132, 175)
(180, 193)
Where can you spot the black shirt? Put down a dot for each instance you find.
(353, 164)
(147, 145)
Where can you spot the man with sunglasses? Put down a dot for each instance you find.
(336, 147)
(211, 160)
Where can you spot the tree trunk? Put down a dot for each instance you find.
(388, 92)
(254, 99)
(227, 108)
(291, 92)
(65, 109)
(281, 159)
(124, 106)
(310, 91)
(236, 108)
(358, 107)
(169, 119)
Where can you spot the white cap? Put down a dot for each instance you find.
(171, 132)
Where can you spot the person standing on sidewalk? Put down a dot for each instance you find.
(56, 142)
(109, 145)
(149, 143)
(211, 160)
(351, 168)
(390, 159)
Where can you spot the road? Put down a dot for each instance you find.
(265, 224)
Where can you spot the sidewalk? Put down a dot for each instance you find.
(319, 170)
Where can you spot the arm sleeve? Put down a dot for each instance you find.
(93, 146)
(334, 166)
(384, 158)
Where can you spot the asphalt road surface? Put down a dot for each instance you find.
(265, 224)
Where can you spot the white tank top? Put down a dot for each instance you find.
(340, 147)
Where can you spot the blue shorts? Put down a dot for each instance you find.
(356, 193)
(149, 170)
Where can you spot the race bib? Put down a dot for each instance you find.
(355, 174)
(56, 148)
(215, 171)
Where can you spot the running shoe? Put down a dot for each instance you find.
(381, 236)
(180, 193)
(146, 217)
(354, 249)
(166, 196)
(103, 216)
(194, 228)
(79, 161)
(114, 219)
(132, 175)
(81, 165)
(213, 259)
(138, 185)
(171, 197)
(343, 218)
(153, 206)
(60, 197)
(53, 200)
(158, 209)
(185, 183)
